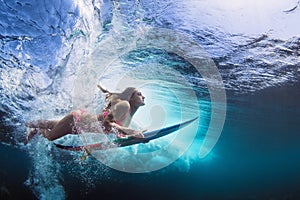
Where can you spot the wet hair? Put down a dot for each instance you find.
(114, 98)
(125, 95)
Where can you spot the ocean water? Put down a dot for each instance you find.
(235, 64)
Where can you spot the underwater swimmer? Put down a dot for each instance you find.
(115, 117)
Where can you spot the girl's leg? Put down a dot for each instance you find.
(39, 126)
(61, 128)
(43, 124)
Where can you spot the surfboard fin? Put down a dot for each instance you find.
(85, 154)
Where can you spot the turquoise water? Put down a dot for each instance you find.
(53, 53)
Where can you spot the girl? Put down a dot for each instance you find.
(116, 115)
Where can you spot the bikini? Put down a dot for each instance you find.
(118, 133)
(77, 114)
(119, 122)
(77, 118)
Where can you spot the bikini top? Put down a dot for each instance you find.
(119, 122)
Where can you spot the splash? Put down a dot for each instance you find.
(44, 177)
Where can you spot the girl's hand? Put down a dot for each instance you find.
(113, 124)
(139, 134)
(129, 132)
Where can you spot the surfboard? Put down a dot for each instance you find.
(122, 142)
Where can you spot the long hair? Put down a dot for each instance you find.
(114, 98)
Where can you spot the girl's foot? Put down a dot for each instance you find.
(32, 124)
(31, 134)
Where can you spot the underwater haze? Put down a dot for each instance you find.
(54, 53)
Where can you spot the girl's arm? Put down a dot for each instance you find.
(128, 131)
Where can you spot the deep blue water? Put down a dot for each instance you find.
(53, 53)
